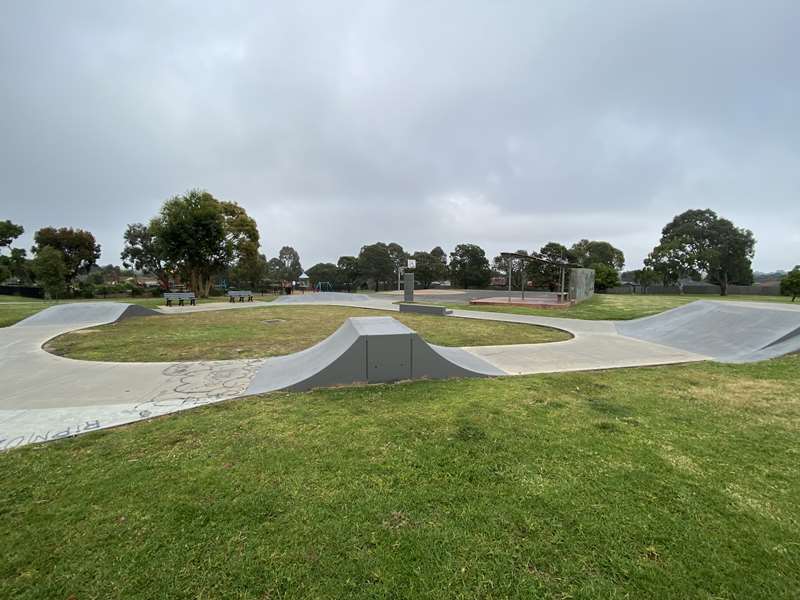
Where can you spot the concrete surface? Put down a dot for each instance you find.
(726, 331)
(48, 397)
(366, 350)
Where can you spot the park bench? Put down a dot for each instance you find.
(425, 309)
(562, 296)
(180, 297)
(241, 295)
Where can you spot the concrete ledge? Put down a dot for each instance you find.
(424, 309)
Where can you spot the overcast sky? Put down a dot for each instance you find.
(506, 124)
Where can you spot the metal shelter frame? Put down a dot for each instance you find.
(533, 256)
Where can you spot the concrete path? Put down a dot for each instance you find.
(49, 397)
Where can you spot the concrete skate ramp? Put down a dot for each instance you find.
(726, 331)
(326, 297)
(83, 314)
(367, 350)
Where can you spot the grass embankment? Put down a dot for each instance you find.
(615, 306)
(669, 482)
(269, 331)
(16, 308)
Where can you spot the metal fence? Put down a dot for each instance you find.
(22, 291)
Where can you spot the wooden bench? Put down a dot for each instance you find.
(425, 309)
(241, 295)
(180, 297)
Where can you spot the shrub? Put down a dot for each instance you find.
(86, 290)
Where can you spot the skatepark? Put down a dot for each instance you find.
(51, 397)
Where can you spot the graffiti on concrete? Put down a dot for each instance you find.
(46, 436)
(186, 385)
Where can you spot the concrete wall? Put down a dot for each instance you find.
(581, 284)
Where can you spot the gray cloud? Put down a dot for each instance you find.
(427, 123)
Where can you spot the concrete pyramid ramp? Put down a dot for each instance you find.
(367, 350)
(723, 330)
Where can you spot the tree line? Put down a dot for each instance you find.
(199, 241)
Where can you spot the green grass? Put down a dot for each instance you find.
(669, 482)
(7, 298)
(11, 313)
(270, 331)
(617, 306)
(15, 308)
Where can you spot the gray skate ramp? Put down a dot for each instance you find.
(367, 350)
(726, 331)
(83, 313)
(324, 297)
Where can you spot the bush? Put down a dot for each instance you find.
(216, 292)
(790, 285)
(156, 292)
(136, 291)
(86, 290)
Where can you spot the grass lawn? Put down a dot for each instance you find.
(617, 306)
(668, 482)
(11, 312)
(269, 331)
(15, 308)
(7, 298)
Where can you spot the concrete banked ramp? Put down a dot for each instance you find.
(79, 314)
(735, 332)
(370, 350)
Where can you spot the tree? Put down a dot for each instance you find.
(428, 268)
(15, 264)
(250, 270)
(290, 261)
(667, 260)
(699, 242)
(202, 236)
(18, 265)
(323, 272)
(399, 258)
(51, 271)
(375, 262)
(645, 277)
(469, 266)
(274, 269)
(587, 253)
(549, 275)
(439, 254)
(604, 276)
(790, 284)
(143, 252)
(9, 232)
(347, 271)
(78, 248)
(440, 270)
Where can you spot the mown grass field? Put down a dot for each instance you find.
(617, 306)
(670, 482)
(269, 331)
